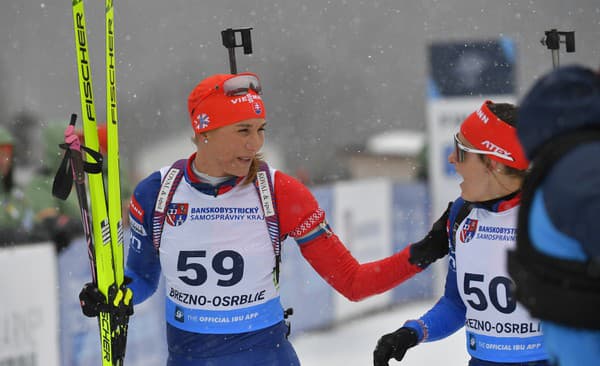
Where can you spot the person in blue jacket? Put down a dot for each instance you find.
(556, 264)
(481, 227)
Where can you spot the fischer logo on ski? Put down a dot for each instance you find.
(102, 225)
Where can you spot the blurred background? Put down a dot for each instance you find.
(361, 99)
(335, 73)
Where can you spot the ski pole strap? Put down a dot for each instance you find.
(63, 180)
(96, 167)
(167, 189)
(264, 188)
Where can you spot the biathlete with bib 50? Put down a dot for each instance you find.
(482, 227)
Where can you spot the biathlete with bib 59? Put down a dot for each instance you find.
(213, 224)
(482, 227)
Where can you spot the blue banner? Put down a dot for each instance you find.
(301, 286)
(410, 223)
(472, 68)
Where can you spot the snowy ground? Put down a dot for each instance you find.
(352, 344)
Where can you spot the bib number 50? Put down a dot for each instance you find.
(225, 263)
(473, 285)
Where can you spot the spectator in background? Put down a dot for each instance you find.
(54, 219)
(482, 223)
(556, 265)
(24, 126)
(15, 212)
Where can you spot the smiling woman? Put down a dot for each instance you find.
(213, 223)
(230, 150)
(482, 227)
(228, 117)
(488, 155)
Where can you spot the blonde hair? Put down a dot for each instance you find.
(254, 166)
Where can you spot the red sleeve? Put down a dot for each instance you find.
(298, 209)
(330, 258)
(299, 214)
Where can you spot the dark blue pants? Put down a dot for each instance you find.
(264, 347)
(478, 362)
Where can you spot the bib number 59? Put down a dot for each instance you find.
(225, 263)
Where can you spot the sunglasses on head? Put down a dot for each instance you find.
(462, 149)
(241, 85)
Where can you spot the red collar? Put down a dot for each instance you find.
(510, 203)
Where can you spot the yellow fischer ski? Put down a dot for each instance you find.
(107, 266)
(124, 295)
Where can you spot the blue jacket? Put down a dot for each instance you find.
(563, 215)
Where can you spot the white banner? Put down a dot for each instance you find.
(362, 220)
(29, 306)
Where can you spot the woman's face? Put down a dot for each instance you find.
(477, 181)
(231, 149)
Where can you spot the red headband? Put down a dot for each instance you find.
(487, 132)
(210, 108)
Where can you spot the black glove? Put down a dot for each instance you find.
(434, 245)
(93, 302)
(394, 345)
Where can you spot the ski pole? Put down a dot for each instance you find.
(228, 37)
(72, 169)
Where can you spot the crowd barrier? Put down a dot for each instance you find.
(29, 306)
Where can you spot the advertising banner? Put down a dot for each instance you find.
(79, 335)
(301, 287)
(29, 306)
(410, 223)
(362, 220)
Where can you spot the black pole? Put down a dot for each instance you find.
(228, 37)
(552, 41)
(232, 64)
